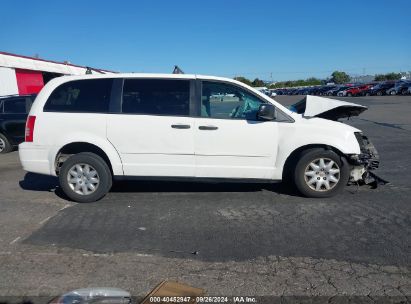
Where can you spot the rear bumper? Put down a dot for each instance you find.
(35, 158)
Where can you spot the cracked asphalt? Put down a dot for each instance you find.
(230, 239)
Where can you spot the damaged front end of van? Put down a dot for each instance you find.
(363, 164)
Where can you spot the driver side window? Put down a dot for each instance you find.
(225, 101)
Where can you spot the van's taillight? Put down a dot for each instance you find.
(30, 128)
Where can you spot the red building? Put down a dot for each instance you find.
(27, 75)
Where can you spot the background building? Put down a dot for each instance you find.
(27, 75)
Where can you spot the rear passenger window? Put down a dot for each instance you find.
(15, 106)
(156, 97)
(89, 96)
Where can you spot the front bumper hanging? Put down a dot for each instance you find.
(365, 162)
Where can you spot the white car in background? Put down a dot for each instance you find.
(91, 129)
(272, 93)
(342, 93)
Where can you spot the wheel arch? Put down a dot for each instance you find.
(294, 155)
(78, 147)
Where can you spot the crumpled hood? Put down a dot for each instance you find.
(333, 109)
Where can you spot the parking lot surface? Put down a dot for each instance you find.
(230, 239)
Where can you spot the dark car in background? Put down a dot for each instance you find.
(390, 87)
(315, 90)
(322, 91)
(304, 91)
(13, 115)
(379, 89)
(282, 91)
(400, 88)
(406, 90)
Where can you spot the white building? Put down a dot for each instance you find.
(27, 75)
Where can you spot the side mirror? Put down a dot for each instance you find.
(266, 112)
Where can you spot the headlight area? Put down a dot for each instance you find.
(363, 163)
(369, 155)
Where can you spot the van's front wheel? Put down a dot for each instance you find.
(320, 173)
(85, 177)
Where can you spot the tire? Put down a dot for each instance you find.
(320, 178)
(99, 176)
(392, 93)
(367, 94)
(5, 146)
(349, 94)
(379, 93)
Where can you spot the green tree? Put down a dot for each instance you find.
(379, 77)
(388, 76)
(340, 77)
(297, 83)
(243, 80)
(258, 83)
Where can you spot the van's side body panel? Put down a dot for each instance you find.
(150, 146)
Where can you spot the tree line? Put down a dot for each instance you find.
(337, 77)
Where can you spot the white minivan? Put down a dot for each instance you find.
(90, 130)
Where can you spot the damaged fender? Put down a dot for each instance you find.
(362, 164)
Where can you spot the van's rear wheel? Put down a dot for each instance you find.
(85, 177)
(5, 146)
(320, 173)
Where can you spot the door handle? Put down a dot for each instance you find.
(209, 128)
(181, 126)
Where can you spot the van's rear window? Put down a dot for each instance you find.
(89, 96)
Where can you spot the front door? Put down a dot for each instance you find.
(229, 140)
(154, 134)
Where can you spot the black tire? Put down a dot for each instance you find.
(349, 95)
(367, 94)
(5, 146)
(103, 174)
(309, 156)
(379, 93)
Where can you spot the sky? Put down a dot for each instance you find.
(271, 40)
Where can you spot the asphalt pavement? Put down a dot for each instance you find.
(248, 239)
